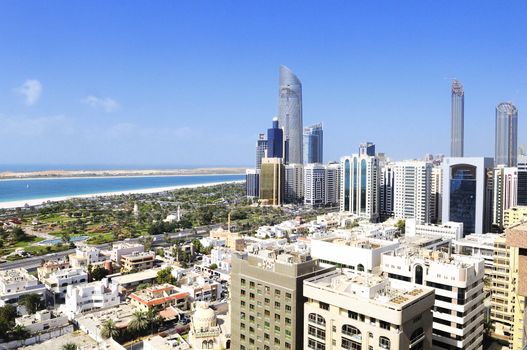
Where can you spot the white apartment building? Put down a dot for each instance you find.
(458, 281)
(219, 256)
(332, 183)
(84, 256)
(364, 311)
(45, 321)
(315, 185)
(478, 245)
(17, 282)
(59, 280)
(359, 189)
(351, 251)
(412, 190)
(294, 182)
(504, 194)
(90, 296)
(124, 248)
(451, 230)
(199, 287)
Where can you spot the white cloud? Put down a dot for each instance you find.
(105, 103)
(30, 90)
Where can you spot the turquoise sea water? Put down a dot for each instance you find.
(24, 189)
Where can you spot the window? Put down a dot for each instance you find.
(316, 318)
(384, 343)
(351, 331)
(276, 305)
(353, 315)
(317, 332)
(350, 344)
(384, 325)
(288, 308)
(242, 282)
(323, 306)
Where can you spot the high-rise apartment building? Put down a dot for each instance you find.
(514, 216)
(386, 191)
(294, 182)
(458, 120)
(367, 149)
(275, 141)
(252, 183)
(522, 180)
(467, 193)
(315, 185)
(505, 193)
(290, 115)
(272, 181)
(506, 134)
(345, 310)
(332, 183)
(412, 190)
(459, 298)
(314, 144)
(436, 190)
(261, 149)
(267, 302)
(359, 191)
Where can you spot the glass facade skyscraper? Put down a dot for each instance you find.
(261, 148)
(463, 196)
(458, 120)
(314, 144)
(290, 115)
(275, 141)
(506, 135)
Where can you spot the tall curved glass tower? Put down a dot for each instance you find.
(506, 134)
(290, 115)
(458, 117)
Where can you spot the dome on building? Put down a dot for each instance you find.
(204, 317)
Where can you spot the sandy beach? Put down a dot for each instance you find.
(38, 201)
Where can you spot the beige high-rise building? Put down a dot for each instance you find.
(345, 310)
(517, 241)
(505, 193)
(267, 300)
(502, 291)
(514, 216)
(272, 181)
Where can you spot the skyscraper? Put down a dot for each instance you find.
(505, 193)
(294, 182)
(313, 144)
(467, 193)
(275, 141)
(315, 185)
(367, 149)
(522, 180)
(290, 115)
(386, 191)
(261, 148)
(252, 183)
(506, 134)
(359, 192)
(412, 190)
(458, 119)
(272, 176)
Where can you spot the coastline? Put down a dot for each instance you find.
(62, 174)
(39, 201)
(66, 177)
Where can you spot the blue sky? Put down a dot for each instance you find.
(171, 83)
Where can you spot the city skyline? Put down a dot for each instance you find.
(86, 101)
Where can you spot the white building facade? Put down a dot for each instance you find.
(412, 190)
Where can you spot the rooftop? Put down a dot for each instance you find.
(158, 294)
(412, 253)
(373, 288)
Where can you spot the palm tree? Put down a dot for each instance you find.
(153, 318)
(139, 321)
(69, 346)
(30, 302)
(109, 329)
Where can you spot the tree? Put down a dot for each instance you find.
(213, 266)
(109, 329)
(65, 236)
(165, 276)
(30, 301)
(69, 346)
(147, 241)
(19, 332)
(401, 225)
(98, 273)
(18, 235)
(7, 319)
(139, 321)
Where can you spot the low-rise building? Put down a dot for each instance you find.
(452, 230)
(45, 323)
(86, 255)
(91, 296)
(161, 296)
(124, 248)
(58, 281)
(17, 282)
(128, 282)
(170, 342)
(200, 288)
(136, 262)
(347, 310)
(221, 257)
(51, 266)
